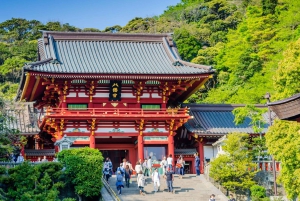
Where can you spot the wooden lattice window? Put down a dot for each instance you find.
(77, 106)
(151, 106)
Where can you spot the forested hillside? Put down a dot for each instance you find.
(252, 44)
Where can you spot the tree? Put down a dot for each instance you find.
(234, 170)
(83, 168)
(286, 78)
(283, 142)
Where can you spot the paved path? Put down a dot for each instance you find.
(189, 188)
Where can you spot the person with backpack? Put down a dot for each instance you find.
(212, 197)
(119, 182)
(121, 170)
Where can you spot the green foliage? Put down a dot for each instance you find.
(269, 6)
(257, 192)
(234, 169)
(83, 170)
(255, 114)
(40, 182)
(286, 78)
(283, 142)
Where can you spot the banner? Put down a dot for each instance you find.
(115, 90)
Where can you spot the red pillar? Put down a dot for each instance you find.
(140, 147)
(201, 155)
(171, 147)
(92, 141)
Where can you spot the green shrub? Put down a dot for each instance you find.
(257, 192)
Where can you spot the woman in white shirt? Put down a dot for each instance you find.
(170, 162)
(156, 180)
(163, 165)
(138, 167)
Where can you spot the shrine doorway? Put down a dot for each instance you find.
(116, 156)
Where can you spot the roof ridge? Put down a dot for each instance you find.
(32, 64)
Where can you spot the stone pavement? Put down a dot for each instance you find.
(189, 188)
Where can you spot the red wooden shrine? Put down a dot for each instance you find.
(119, 93)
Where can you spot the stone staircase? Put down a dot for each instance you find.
(189, 188)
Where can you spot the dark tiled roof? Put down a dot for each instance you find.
(288, 108)
(184, 151)
(40, 152)
(217, 120)
(66, 52)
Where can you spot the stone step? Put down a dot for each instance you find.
(190, 187)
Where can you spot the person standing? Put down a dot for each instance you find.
(20, 158)
(180, 166)
(169, 176)
(141, 182)
(197, 164)
(163, 165)
(149, 165)
(212, 198)
(156, 180)
(128, 173)
(145, 167)
(138, 167)
(170, 162)
(231, 198)
(119, 182)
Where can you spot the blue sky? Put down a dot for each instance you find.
(83, 13)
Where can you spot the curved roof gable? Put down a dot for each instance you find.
(111, 53)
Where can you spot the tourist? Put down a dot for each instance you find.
(212, 198)
(121, 169)
(180, 166)
(128, 173)
(156, 180)
(197, 164)
(138, 167)
(106, 173)
(119, 182)
(108, 165)
(20, 158)
(149, 165)
(141, 182)
(44, 159)
(163, 165)
(145, 167)
(170, 162)
(54, 159)
(38, 159)
(231, 198)
(169, 176)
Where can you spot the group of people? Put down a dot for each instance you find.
(212, 198)
(20, 158)
(144, 169)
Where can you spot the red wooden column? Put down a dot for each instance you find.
(171, 147)
(140, 147)
(201, 154)
(92, 141)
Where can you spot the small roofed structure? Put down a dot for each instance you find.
(287, 109)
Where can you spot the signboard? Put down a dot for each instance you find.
(115, 90)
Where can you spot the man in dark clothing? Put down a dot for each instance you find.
(197, 164)
(169, 176)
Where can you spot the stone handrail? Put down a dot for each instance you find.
(110, 190)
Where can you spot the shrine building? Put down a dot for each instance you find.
(119, 93)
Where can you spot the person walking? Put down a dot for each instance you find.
(169, 176)
(231, 198)
(121, 169)
(128, 173)
(149, 165)
(212, 198)
(106, 174)
(20, 158)
(156, 180)
(138, 167)
(141, 182)
(170, 162)
(163, 165)
(180, 166)
(119, 182)
(145, 167)
(197, 164)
